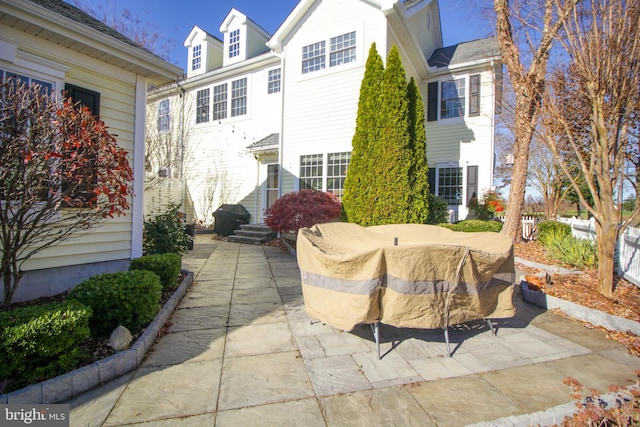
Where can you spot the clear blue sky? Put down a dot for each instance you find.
(174, 19)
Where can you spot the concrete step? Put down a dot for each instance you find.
(254, 234)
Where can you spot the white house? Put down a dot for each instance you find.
(261, 115)
(56, 44)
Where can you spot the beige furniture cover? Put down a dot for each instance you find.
(433, 278)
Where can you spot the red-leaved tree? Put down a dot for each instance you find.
(61, 174)
(305, 208)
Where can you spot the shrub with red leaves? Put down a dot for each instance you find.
(305, 208)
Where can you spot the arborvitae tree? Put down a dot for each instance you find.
(419, 172)
(358, 195)
(387, 179)
(392, 150)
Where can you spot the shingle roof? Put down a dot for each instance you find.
(466, 52)
(268, 142)
(69, 11)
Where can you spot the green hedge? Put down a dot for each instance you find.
(129, 298)
(42, 341)
(474, 225)
(166, 266)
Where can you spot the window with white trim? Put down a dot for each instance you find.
(46, 87)
(239, 97)
(202, 106)
(343, 49)
(274, 81)
(234, 43)
(313, 57)
(457, 97)
(450, 185)
(452, 98)
(164, 119)
(220, 102)
(311, 172)
(337, 164)
(196, 57)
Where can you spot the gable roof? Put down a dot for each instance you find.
(467, 53)
(70, 27)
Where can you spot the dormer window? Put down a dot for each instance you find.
(196, 57)
(234, 43)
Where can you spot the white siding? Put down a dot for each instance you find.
(111, 241)
(321, 106)
(467, 142)
(219, 147)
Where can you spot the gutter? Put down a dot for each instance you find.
(92, 38)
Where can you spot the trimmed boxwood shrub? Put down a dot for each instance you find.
(166, 266)
(42, 341)
(557, 228)
(128, 298)
(475, 225)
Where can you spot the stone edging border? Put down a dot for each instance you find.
(579, 312)
(555, 415)
(71, 384)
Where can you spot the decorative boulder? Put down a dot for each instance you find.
(120, 338)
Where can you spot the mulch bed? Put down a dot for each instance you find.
(582, 289)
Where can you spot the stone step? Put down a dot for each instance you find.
(247, 240)
(254, 234)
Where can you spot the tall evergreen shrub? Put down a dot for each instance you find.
(358, 194)
(387, 178)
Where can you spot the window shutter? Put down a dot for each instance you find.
(432, 102)
(474, 95)
(432, 180)
(472, 182)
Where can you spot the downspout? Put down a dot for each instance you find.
(281, 139)
(493, 123)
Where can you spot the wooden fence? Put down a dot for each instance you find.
(627, 256)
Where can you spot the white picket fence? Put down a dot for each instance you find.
(627, 256)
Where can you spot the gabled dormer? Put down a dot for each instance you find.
(205, 52)
(243, 38)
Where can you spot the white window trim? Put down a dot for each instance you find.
(451, 78)
(326, 37)
(451, 165)
(229, 83)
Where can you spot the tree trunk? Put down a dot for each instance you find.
(607, 235)
(525, 119)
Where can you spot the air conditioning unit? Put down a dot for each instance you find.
(164, 172)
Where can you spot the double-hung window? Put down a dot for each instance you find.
(452, 98)
(239, 97)
(450, 185)
(196, 57)
(337, 164)
(220, 102)
(234, 43)
(164, 120)
(202, 107)
(274, 81)
(343, 49)
(313, 57)
(311, 172)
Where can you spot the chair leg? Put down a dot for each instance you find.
(446, 339)
(493, 330)
(376, 335)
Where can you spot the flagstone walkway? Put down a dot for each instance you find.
(240, 351)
